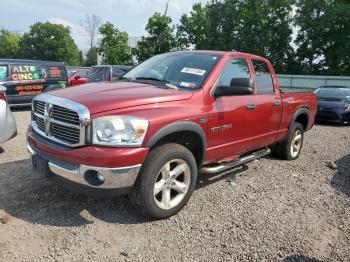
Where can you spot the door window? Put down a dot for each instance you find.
(235, 68)
(3, 73)
(264, 83)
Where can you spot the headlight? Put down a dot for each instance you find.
(119, 131)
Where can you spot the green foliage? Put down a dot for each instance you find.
(160, 38)
(91, 57)
(9, 44)
(324, 36)
(46, 41)
(114, 45)
(261, 27)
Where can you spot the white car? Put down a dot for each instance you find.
(8, 127)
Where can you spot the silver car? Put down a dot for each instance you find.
(8, 127)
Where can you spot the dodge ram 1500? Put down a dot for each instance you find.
(166, 120)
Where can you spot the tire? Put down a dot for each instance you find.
(158, 175)
(285, 149)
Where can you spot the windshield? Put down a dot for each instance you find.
(187, 70)
(99, 74)
(71, 72)
(333, 93)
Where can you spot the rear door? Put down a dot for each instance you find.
(268, 105)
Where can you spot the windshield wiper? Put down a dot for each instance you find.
(125, 78)
(330, 98)
(152, 79)
(165, 83)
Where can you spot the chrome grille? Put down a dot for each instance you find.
(65, 133)
(65, 115)
(61, 120)
(40, 123)
(39, 107)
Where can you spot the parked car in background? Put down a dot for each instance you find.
(105, 73)
(8, 128)
(25, 79)
(80, 76)
(166, 118)
(333, 104)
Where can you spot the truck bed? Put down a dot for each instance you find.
(287, 90)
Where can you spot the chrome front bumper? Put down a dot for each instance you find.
(110, 178)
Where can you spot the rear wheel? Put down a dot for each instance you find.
(166, 181)
(290, 148)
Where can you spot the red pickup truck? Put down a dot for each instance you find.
(169, 118)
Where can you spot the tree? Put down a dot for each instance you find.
(91, 24)
(262, 27)
(337, 38)
(192, 29)
(48, 41)
(9, 44)
(114, 45)
(266, 30)
(91, 57)
(80, 58)
(323, 39)
(160, 38)
(308, 40)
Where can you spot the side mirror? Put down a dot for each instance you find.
(238, 87)
(77, 77)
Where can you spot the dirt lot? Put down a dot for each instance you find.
(275, 211)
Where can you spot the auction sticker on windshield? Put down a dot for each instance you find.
(188, 85)
(193, 71)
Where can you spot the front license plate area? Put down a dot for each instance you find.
(40, 166)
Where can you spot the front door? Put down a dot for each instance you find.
(231, 119)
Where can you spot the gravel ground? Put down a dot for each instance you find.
(274, 211)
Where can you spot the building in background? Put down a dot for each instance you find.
(133, 40)
(311, 81)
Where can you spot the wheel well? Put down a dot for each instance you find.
(303, 119)
(191, 140)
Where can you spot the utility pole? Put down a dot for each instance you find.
(157, 41)
(166, 7)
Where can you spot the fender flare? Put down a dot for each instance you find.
(178, 127)
(301, 111)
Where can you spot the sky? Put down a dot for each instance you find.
(128, 15)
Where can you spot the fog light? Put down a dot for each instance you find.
(100, 177)
(94, 178)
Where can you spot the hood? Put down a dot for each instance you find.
(100, 97)
(332, 104)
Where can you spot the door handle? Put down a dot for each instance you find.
(251, 107)
(276, 103)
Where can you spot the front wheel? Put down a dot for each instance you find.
(166, 181)
(290, 148)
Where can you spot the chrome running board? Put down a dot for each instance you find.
(238, 162)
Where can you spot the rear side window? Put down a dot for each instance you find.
(235, 68)
(3, 73)
(83, 74)
(99, 74)
(117, 71)
(264, 81)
